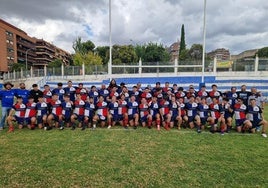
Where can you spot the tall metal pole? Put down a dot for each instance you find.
(204, 41)
(110, 37)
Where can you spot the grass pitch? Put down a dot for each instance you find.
(132, 158)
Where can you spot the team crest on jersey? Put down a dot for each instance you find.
(194, 105)
(234, 95)
(256, 109)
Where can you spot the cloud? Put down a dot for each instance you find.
(235, 24)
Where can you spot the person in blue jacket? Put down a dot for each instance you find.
(23, 92)
(7, 100)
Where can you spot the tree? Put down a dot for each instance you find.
(103, 52)
(124, 54)
(17, 67)
(55, 63)
(263, 52)
(195, 51)
(89, 59)
(154, 53)
(182, 44)
(83, 47)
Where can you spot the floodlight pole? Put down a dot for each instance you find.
(110, 39)
(204, 41)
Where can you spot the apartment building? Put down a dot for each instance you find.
(220, 54)
(17, 47)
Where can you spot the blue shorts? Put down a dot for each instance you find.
(240, 122)
(19, 120)
(174, 118)
(80, 118)
(115, 117)
(66, 119)
(28, 120)
(204, 120)
(55, 117)
(39, 119)
(144, 118)
(256, 123)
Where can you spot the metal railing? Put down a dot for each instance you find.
(247, 65)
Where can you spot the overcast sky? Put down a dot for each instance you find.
(237, 25)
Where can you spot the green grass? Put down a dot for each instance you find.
(141, 158)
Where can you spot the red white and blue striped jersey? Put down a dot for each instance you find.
(203, 110)
(122, 107)
(102, 109)
(41, 108)
(240, 111)
(90, 109)
(144, 110)
(154, 108)
(79, 107)
(67, 108)
(254, 113)
(215, 110)
(83, 93)
(56, 107)
(30, 110)
(183, 111)
(47, 96)
(133, 108)
(191, 109)
(164, 106)
(113, 108)
(94, 95)
(19, 110)
(174, 108)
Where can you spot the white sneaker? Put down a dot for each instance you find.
(45, 128)
(94, 126)
(1, 128)
(264, 135)
(109, 126)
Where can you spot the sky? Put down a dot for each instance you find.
(237, 25)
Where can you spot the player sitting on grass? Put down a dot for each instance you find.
(256, 117)
(42, 111)
(241, 121)
(56, 113)
(175, 111)
(145, 116)
(79, 111)
(30, 113)
(19, 110)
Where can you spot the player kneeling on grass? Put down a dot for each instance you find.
(133, 112)
(164, 112)
(79, 112)
(145, 116)
(203, 111)
(184, 117)
(90, 118)
(242, 123)
(42, 111)
(217, 115)
(67, 109)
(19, 109)
(175, 111)
(30, 113)
(154, 112)
(192, 113)
(228, 113)
(255, 116)
(102, 111)
(122, 111)
(56, 113)
(113, 116)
